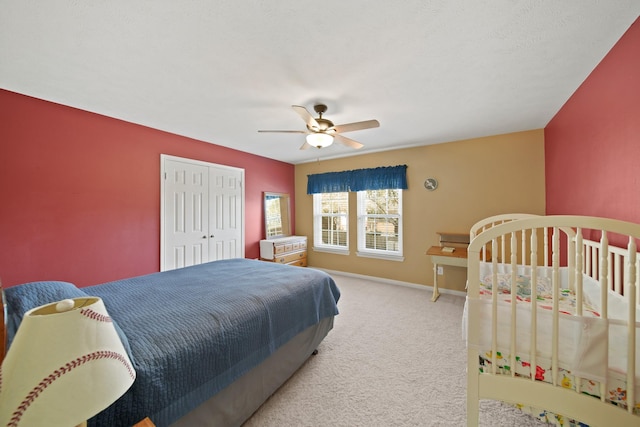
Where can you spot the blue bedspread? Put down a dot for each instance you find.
(194, 330)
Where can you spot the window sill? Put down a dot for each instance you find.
(380, 256)
(331, 250)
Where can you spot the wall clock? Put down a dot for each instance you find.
(430, 184)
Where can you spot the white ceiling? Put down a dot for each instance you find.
(430, 71)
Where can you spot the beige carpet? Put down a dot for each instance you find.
(394, 358)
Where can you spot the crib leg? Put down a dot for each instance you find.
(473, 403)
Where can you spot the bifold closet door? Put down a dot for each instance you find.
(186, 219)
(225, 213)
(202, 213)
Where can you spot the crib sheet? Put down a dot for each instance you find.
(544, 291)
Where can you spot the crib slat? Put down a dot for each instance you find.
(571, 260)
(534, 304)
(577, 288)
(514, 299)
(613, 262)
(631, 338)
(604, 292)
(556, 298)
(578, 275)
(604, 275)
(586, 254)
(484, 247)
(494, 309)
(523, 242)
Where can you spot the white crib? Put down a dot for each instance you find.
(552, 317)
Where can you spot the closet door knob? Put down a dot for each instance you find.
(212, 236)
(204, 237)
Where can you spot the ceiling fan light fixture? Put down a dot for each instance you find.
(319, 140)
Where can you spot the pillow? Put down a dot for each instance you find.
(22, 298)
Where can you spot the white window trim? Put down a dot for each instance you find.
(388, 257)
(361, 233)
(331, 250)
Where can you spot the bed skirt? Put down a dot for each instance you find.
(237, 402)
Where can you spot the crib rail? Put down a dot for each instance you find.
(556, 245)
(616, 259)
(487, 223)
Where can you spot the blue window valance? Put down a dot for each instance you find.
(381, 178)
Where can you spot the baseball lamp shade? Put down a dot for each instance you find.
(65, 365)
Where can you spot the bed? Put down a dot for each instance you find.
(551, 318)
(209, 343)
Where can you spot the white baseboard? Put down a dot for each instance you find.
(392, 282)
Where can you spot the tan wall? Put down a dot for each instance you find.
(477, 178)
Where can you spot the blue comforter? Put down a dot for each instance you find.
(194, 330)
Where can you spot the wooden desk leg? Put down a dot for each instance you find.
(436, 294)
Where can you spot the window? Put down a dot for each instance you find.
(331, 221)
(380, 223)
(379, 209)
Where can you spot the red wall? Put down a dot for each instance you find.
(592, 145)
(80, 192)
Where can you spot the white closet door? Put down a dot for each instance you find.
(186, 220)
(202, 214)
(225, 207)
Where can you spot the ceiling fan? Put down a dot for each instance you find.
(321, 132)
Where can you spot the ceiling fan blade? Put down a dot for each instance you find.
(306, 116)
(348, 142)
(350, 127)
(282, 131)
(306, 146)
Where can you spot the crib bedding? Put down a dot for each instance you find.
(584, 353)
(615, 393)
(193, 331)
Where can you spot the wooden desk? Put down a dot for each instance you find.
(457, 258)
